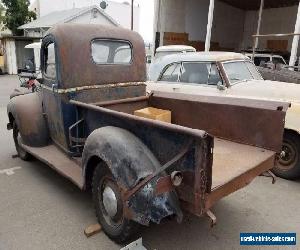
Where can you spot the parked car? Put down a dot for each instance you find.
(233, 75)
(261, 59)
(275, 68)
(82, 123)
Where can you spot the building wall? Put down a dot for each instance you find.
(277, 20)
(232, 27)
(94, 18)
(10, 57)
(228, 26)
(120, 12)
(196, 19)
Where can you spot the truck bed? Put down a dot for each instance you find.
(235, 165)
(232, 160)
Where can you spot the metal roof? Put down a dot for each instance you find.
(213, 56)
(175, 48)
(64, 16)
(255, 4)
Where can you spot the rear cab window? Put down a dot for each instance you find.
(111, 51)
(50, 61)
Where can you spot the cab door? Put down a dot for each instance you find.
(52, 98)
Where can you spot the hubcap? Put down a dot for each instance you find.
(110, 202)
(287, 156)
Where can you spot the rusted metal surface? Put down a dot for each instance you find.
(238, 182)
(227, 117)
(26, 111)
(122, 101)
(59, 161)
(76, 66)
(162, 169)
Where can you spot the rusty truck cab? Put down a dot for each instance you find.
(88, 63)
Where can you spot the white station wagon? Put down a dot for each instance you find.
(234, 75)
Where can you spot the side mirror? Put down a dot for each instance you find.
(221, 87)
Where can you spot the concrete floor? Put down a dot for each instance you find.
(41, 210)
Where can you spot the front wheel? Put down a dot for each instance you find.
(109, 206)
(288, 166)
(21, 152)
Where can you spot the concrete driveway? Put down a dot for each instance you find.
(41, 210)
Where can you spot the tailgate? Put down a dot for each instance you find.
(234, 166)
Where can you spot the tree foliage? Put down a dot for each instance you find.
(2, 9)
(17, 14)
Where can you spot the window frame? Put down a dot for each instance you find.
(244, 61)
(45, 58)
(181, 63)
(166, 68)
(112, 40)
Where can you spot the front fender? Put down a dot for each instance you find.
(26, 110)
(130, 161)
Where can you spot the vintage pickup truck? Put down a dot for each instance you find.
(82, 124)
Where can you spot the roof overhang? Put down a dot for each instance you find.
(255, 4)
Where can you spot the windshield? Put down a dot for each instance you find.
(240, 71)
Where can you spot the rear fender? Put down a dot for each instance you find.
(27, 112)
(130, 161)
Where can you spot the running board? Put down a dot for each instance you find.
(59, 161)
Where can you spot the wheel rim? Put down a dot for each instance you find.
(110, 203)
(288, 156)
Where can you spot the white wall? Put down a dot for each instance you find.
(232, 27)
(118, 11)
(277, 20)
(228, 26)
(90, 18)
(190, 16)
(171, 17)
(196, 19)
(10, 57)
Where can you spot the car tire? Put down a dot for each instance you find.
(288, 167)
(21, 152)
(109, 206)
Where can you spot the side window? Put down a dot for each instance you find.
(111, 52)
(50, 64)
(214, 75)
(260, 61)
(172, 73)
(200, 73)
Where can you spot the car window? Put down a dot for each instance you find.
(200, 73)
(214, 75)
(171, 73)
(278, 60)
(50, 64)
(238, 71)
(259, 60)
(256, 75)
(111, 52)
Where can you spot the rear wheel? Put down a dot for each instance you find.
(288, 167)
(109, 206)
(21, 152)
